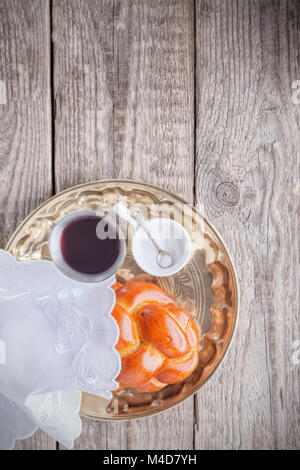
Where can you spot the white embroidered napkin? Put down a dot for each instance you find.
(56, 413)
(57, 339)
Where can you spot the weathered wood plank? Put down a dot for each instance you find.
(25, 124)
(153, 139)
(248, 143)
(83, 79)
(83, 90)
(123, 84)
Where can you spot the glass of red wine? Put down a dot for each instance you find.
(88, 247)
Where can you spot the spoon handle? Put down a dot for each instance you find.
(138, 216)
(125, 214)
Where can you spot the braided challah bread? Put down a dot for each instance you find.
(158, 341)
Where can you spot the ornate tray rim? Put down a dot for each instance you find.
(216, 234)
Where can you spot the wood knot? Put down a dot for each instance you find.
(227, 194)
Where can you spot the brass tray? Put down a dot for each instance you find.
(206, 287)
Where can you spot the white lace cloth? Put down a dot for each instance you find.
(57, 339)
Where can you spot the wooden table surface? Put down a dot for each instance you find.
(199, 98)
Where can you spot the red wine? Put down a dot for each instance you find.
(84, 251)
